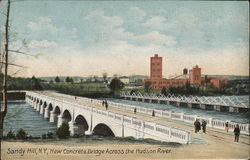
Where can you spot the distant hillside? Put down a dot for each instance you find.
(62, 78)
(230, 77)
(78, 78)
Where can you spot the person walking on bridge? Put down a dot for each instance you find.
(106, 105)
(226, 126)
(236, 133)
(204, 124)
(197, 126)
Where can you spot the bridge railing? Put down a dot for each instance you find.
(222, 100)
(144, 127)
(211, 122)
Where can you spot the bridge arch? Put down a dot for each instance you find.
(81, 124)
(103, 130)
(66, 116)
(56, 112)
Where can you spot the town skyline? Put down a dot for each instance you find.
(119, 38)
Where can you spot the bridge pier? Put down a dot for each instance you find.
(231, 109)
(73, 128)
(167, 102)
(203, 106)
(221, 108)
(37, 107)
(177, 104)
(46, 113)
(189, 105)
(52, 116)
(41, 110)
(59, 121)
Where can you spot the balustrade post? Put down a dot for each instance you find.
(182, 115)
(210, 122)
(170, 114)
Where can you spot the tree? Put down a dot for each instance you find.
(104, 76)
(11, 135)
(147, 86)
(21, 134)
(63, 131)
(67, 79)
(139, 81)
(116, 85)
(164, 91)
(35, 84)
(57, 79)
(96, 78)
(5, 79)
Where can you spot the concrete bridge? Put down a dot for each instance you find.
(88, 117)
(219, 103)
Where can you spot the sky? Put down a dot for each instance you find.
(83, 38)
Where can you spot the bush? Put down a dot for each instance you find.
(11, 135)
(63, 131)
(50, 135)
(21, 134)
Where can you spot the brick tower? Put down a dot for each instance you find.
(156, 67)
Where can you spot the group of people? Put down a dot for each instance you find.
(105, 103)
(197, 126)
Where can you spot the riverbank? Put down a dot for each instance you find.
(79, 149)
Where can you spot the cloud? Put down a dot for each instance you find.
(137, 13)
(34, 44)
(156, 38)
(98, 17)
(43, 23)
(155, 22)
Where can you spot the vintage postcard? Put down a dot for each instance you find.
(129, 80)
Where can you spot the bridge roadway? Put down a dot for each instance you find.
(213, 140)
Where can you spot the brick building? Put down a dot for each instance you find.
(218, 82)
(156, 80)
(195, 78)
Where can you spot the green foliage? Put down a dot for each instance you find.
(21, 134)
(147, 86)
(11, 135)
(63, 131)
(18, 83)
(104, 76)
(44, 136)
(50, 135)
(164, 91)
(91, 90)
(116, 85)
(69, 80)
(57, 79)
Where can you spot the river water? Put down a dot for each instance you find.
(22, 115)
(236, 117)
